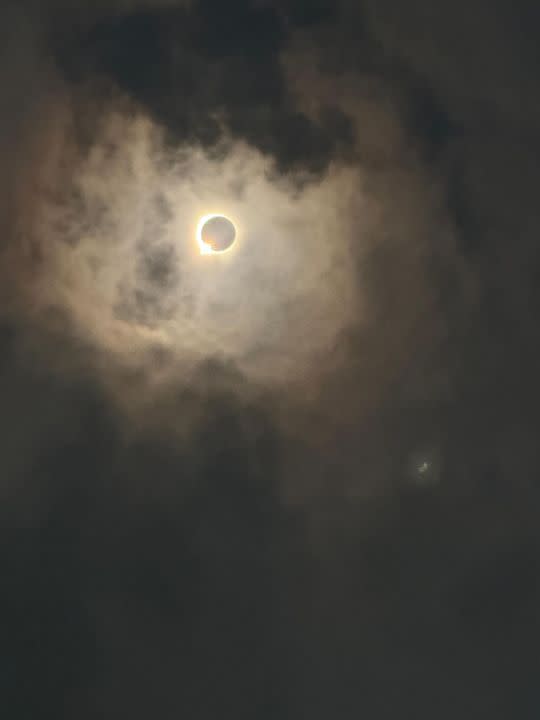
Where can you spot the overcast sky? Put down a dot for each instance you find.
(299, 479)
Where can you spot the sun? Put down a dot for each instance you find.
(216, 234)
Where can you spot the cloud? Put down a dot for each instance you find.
(208, 495)
(207, 69)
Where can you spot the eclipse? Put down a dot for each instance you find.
(216, 234)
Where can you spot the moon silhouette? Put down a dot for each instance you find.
(216, 234)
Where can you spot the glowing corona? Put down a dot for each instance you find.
(205, 248)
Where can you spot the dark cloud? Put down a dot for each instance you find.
(210, 68)
(376, 552)
(137, 570)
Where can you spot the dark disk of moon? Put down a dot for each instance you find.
(218, 233)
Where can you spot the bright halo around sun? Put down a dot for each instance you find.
(216, 234)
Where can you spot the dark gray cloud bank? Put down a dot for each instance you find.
(330, 509)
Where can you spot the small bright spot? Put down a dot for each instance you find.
(425, 467)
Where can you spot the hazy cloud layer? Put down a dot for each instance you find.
(300, 481)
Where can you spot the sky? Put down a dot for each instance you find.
(298, 479)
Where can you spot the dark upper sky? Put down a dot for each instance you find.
(183, 539)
